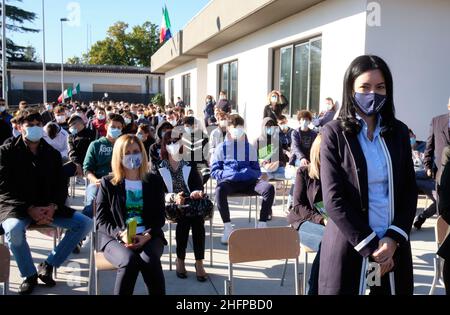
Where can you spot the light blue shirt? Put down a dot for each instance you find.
(377, 176)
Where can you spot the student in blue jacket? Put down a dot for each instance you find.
(235, 167)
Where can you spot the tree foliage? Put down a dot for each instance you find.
(125, 48)
(16, 19)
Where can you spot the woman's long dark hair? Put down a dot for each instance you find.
(347, 114)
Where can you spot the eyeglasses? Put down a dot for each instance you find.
(173, 141)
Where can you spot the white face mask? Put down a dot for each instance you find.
(60, 119)
(237, 133)
(330, 107)
(2, 109)
(173, 122)
(173, 149)
(223, 123)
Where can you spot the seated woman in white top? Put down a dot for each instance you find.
(57, 138)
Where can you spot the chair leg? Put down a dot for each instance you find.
(305, 271)
(97, 282)
(211, 242)
(437, 275)
(170, 246)
(256, 211)
(55, 239)
(249, 209)
(283, 276)
(297, 283)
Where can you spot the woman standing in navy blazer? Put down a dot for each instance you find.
(369, 189)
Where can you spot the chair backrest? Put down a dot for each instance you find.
(248, 245)
(4, 263)
(442, 230)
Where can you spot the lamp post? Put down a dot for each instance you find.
(62, 56)
(44, 66)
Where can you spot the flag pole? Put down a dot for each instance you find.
(4, 56)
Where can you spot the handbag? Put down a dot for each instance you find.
(193, 208)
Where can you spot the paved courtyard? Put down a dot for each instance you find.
(261, 278)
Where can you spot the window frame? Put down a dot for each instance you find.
(278, 64)
(234, 103)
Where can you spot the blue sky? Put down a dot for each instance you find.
(99, 14)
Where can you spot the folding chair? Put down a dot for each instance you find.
(97, 260)
(305, 250)
(285, 186)
(250, 245)
(5, 260)
(442, 231)
(249, 196)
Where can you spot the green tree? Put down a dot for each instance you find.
(126, 48)
(16, 18)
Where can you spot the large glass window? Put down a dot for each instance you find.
(299, 74)
(187, 90)
(228, 81)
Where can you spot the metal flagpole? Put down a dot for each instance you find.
(4, 56)
(62, 58)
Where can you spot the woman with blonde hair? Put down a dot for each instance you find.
(308, 216)
(277, 103)
(129, 195)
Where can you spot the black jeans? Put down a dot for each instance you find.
(130, 263)
(262, 188)
(314, 275)
(198, 237)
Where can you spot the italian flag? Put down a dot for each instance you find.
(69, 93)
(165, 33)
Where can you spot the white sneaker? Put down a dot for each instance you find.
(262, 225)
(228, 229)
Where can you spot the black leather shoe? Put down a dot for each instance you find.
(28, 285)
(200, 278)
(77, 249)
(418, 222)
(45, 272)
(181, 275)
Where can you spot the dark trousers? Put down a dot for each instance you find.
(262, 188)
(198, 237)
(446, 276)
(130, 263)
(314, 276)
(428, 187)
(384, 289)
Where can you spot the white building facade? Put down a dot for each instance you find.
(303, 49)
(133, 84)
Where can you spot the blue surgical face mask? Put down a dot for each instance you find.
(140, 136)
(269, 131)
(189, 130)
(132, 161)
(413, 141)
(370, 103)
(34, 134)
(16, 133)
(114, 132)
